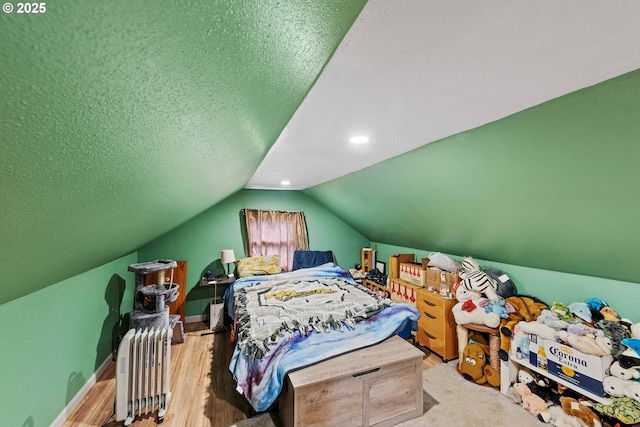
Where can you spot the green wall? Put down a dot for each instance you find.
(200, 240)
(120, 117)
(554, 187)
(53, 340)
(548, 285)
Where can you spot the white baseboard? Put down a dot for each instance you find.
(60, 419)
(196, 318)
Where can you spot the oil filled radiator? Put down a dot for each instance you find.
(143, 369)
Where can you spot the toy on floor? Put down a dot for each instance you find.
(624, 409)
(474, 366)
(586, 415)
(530, 402)
(556, 416)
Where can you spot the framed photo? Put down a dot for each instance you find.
(380, 265)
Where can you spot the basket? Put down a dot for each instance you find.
(435, 276)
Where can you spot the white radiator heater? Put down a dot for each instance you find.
(143, 368)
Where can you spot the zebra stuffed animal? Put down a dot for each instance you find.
(477, 280)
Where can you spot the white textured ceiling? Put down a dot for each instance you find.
(412, 72)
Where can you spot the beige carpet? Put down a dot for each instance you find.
(449, 401)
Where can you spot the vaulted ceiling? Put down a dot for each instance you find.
(121, 120)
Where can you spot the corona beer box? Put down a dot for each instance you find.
(564, 362)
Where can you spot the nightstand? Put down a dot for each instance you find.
(216, 307)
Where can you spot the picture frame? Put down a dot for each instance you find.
(381, 266)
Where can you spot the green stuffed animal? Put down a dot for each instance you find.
(474, 366)
(624, 409)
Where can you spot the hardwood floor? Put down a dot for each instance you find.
(203, 393)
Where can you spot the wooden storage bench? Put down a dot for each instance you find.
(379, 386)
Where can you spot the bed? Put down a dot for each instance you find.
(289, 320)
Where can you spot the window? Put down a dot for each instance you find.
(275, 233)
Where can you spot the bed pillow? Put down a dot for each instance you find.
(308, 259)
(259, 265)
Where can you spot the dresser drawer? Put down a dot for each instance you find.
(433, 342)
(431, 302)
(436, 327)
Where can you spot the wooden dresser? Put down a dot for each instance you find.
(377, 386)
(437, 327)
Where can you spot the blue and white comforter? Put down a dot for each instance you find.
(259, 377)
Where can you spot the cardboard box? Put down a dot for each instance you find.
(585, 371)
(413, 273)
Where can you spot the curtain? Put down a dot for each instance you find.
(276, 233)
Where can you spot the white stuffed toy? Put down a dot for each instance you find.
(470, 309)
(474, 279)
(626, 374)
(556, 416)
(617, 387)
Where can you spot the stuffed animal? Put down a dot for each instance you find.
(617, 387)
(562, 311)
(539, 386)
(469, 309)
(609, 314)
(498, 307)
(616, 333)
(550, 318)
(599, 346)
(506, 287)
(581, 311)
(629, 359)
(526, 309)
(539, 329)
(624, 409)
(530, 402)
(474, 279)
(474, 366)
(586, 415)
(556, 416)
(626, 374)
(582, 329)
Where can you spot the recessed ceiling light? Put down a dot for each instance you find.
(284, 182)
(360, 139)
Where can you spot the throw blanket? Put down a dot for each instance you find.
(269, 311)
(260, 379)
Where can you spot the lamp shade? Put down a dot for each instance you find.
(227, 256)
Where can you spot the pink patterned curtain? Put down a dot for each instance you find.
(276, 233)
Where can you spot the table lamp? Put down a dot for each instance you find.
(227, 257)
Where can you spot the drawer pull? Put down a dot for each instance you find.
(429, 303)
(429, 335)
(370, 371)
(431, 316)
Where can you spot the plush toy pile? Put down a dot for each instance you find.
(489, 297)
(593, 328)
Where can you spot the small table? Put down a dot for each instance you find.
(216, 308)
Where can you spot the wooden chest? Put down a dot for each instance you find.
(437, 327)
(379, 385)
